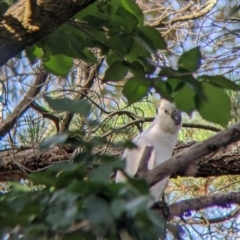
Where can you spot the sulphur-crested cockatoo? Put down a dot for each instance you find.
(162, 135)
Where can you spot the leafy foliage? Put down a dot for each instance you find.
(116, 28)
(80, 200)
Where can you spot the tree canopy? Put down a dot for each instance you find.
(79, 79)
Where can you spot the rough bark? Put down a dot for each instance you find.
(16, 163)
(26, 22)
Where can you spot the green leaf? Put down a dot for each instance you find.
(65, 104)
(33, 53)
(116, 72)
(193, 84)
(135, 89)
(133, 8)
(190, 60)
(217, 107)
(46, 178)
(168, 71)
(136, 205)
(139, 184)
(98, 212)
(151, 38)
(58, 64)
(175, 83)
(56, 140)
(115, 43)
(102, 173)
(221, 81)
(118, 207)
(138, 54)
(184, 99)
(56, 43)
(126, 19)
(112, 57)
(95, 21)
(163, 88)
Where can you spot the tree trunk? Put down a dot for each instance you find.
(27, 21)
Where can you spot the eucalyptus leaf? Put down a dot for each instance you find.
(221, 81)
(151, 37)
(184, 99)
(217, 106)
(163, 88)
(58, 64)
(33, 53)
(65, 104)
(135, 89)
(126, 19)
(102, 173)
(56, 140)
(116, 71)
(190, 60)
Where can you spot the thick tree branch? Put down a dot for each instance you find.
(197, 151)
(24, 24)
(226, 161)
(194, 204)
(23, 105)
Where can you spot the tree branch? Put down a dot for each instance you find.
(24, 25)
(150, 119)
(219, 199)
(23, 105)
(143, 165)
(88, 83)
(197, 151)
(45, 114)
(206, 8)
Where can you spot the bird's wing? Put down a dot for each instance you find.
(133, 157)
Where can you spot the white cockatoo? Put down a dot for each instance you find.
(162, 135)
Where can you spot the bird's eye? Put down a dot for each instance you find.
(166, 111)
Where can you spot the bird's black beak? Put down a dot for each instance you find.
(177, 117)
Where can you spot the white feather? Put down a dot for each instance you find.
(162, 135)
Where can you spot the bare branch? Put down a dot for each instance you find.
(45, 114)
(194, 204)
(150, 119)
(202, 126)
(23, 105)
(206, 8)
(88, 83)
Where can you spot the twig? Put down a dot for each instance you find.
(45, 114)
